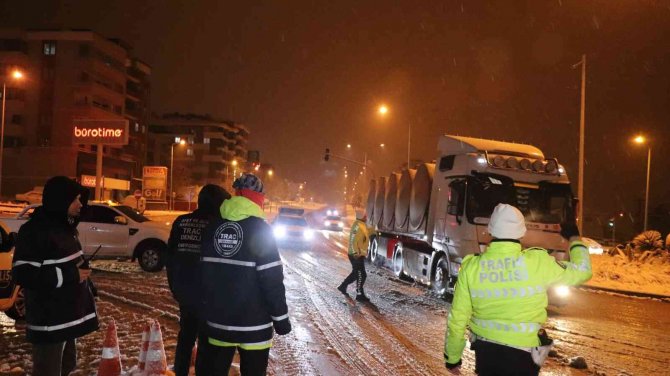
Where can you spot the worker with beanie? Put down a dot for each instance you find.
(183, 270)
(48, 264)
(501, 295)
(359, 239)
(243, 284)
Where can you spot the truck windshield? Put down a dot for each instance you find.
(542, 203)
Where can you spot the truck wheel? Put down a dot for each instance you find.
(18, 310)
(151, 256)
(374, 252)
(440, 281)
(398, 263)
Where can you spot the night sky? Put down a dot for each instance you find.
(304, 75)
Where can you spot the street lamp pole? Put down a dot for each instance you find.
(580, 181)
(17, 75)
(409, 137)
(181, 142)
(646, 194)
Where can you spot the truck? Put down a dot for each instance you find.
(425, 220)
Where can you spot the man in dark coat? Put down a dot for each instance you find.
(48, 264)
(183, 270)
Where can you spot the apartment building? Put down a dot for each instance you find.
(214, 151)
(70, 75)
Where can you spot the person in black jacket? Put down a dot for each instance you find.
(243, 283)
(48, 264)
(183, 270)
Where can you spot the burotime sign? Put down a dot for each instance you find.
(105, 132)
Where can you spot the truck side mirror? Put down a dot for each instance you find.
(456, 204)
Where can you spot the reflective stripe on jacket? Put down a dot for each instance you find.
(501, 294)
(358, 239)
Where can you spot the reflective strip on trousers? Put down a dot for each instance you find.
(522, 327)
(239, 328)
(509, 292)
(61, 326)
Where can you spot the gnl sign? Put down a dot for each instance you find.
(100, 132)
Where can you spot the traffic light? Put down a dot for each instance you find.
(327, 156)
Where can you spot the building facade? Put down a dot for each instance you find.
(70, 75)
(215, 151)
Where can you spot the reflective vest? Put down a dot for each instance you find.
(358, 239)
(501, 295)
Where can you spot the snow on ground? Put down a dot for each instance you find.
(617, 273)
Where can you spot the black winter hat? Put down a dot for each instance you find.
(211, 197)
(59, 192)
(249, 181)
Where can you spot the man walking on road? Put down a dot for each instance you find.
(48, 264)
(243, 283)
(358, 251)
(501, 295)
(183, 271)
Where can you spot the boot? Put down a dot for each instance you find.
(343, 289)
(362, 298)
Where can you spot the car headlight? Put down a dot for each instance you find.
(279, 231)
(329, 212)
(335, 212)
(562, 291)
(309, 234)
(340, 224)
(326, 223)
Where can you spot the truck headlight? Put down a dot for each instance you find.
(279, 231)
(340, 224)
(326, 223)
(562, 291)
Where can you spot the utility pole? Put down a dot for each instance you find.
(580, 181)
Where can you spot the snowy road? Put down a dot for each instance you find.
(400, 333)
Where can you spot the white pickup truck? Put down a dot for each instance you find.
(118, 229)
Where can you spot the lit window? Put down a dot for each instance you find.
(177, 139)
(189, 152)
(205, 140)
(144, 129)
(137, 127)
(49, 48)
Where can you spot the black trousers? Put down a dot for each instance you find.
(189, 330)
(219, 359)
(492, 359)
(54, 359)
(357, 274)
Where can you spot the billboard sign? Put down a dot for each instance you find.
(154, 183)
(105, 132)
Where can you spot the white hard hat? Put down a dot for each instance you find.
(507, 222)
(360, 214)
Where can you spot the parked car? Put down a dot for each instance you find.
(291, 229)
(12, 301)
(119, 230)
(33, 196)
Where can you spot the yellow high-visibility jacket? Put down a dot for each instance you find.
(501, 295)
(359, 239)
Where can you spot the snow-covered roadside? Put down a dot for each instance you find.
(618, 273)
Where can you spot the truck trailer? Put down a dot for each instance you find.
(425, 220)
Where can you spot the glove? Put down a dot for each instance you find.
(569, 230)
(282, 327)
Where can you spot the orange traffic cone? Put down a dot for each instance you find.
(110, 364)
(143, 348)
(194, 354)
(156, 363)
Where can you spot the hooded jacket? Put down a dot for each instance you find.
(58, 306)
(359, 239)
(242, 278)
(183, 261)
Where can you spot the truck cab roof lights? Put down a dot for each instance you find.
(538, 166)
(561, 170)
(551, 166)
(525, 164)
(482, 160)
(512, 163)
(499, 161)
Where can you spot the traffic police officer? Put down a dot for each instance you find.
(501, 295)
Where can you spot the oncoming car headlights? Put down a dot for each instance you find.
(279, 231)
(308, 234)
(340, 224)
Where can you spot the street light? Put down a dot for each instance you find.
(270, 172)
(234, 163)
(641, 140)
(16, 75)
(383, 110)
(180, 142)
